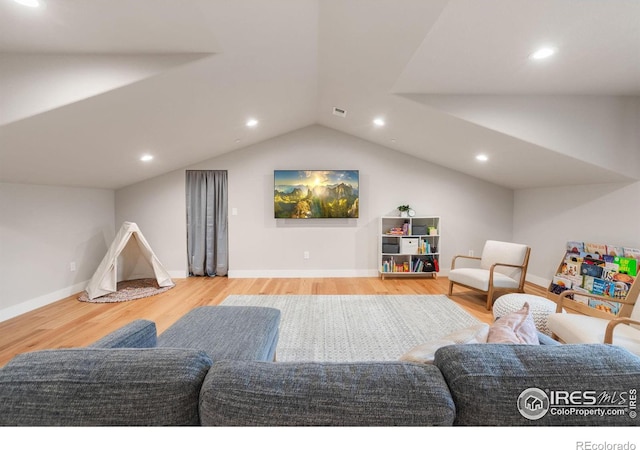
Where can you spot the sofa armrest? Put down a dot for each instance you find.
(137, 334)
(103, 387)
(256, 393)
(491, 383)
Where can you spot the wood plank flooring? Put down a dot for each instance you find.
(71, 323)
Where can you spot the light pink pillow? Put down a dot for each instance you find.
(516, 327)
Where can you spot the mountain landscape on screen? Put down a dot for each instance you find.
(316, 194)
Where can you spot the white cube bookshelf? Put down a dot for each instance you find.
(406, 245)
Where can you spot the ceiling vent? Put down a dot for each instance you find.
(339, 112)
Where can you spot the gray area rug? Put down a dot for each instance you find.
(357, 327)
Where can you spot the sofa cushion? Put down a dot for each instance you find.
(93, 387)
(245, 393)
(226, 332)
(137, 334)
(487, 381)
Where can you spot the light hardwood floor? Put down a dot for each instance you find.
(71, 323)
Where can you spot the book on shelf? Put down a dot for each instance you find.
(592, 247)
(602, 287)
(591, 270)
(610, 270)
(613, 250)
(623, 278)
(570, 268)
(587, 283)
(629, 252)
(575, 247)
(562, 282)
(557, 289)
(626, 265)
(582, 297)
(606, 306)
(621, 289)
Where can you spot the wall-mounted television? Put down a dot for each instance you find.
(316, 194)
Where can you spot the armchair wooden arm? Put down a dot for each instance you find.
(517, 266)
(453, 261)
(523, 272)
(608, 333)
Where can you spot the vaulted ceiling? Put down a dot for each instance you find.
(87, 87)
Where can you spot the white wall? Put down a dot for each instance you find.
(548, 218)
(42, 230)
(471, 210)
(158, 207)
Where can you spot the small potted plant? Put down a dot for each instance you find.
(404, 210)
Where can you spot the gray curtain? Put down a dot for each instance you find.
(207, 236)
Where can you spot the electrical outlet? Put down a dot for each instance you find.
(470, 252)
(306, 255)
(72, 266)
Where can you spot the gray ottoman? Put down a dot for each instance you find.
(226, 332)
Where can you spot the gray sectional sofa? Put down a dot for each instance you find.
(215, 367)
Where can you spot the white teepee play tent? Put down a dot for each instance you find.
(129, 258)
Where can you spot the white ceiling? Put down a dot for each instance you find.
(88, 86)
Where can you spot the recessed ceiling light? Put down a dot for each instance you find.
(482, 157)
(252, 122)
(542, 53)
(146, 158)
(378, 122)
(29, 3)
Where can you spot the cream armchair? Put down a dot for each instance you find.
(595, 328)
(501, 268)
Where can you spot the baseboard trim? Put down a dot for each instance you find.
(178, 273)
(538, 281)
(310, 273)
(301, 273)
(43, 300)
